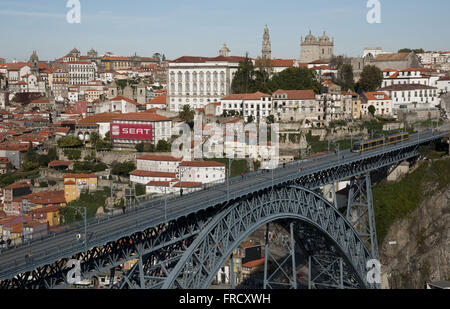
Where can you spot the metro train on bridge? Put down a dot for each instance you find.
(380, 142)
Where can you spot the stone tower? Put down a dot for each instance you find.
(76, 54)
(34, 64)
(266, 47)
(113, 90)
(141, 93)
(313, 48)
(224, 51)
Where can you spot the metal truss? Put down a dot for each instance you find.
(187, 250)
(112, 255)
(284, 274)
(210, 249)
(360, 211)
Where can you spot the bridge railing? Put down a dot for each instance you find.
(155, 201)
(160, 201)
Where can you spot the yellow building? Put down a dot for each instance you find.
(74, 184)
(47, 214)
(357, 109)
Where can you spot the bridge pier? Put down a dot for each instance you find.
(360, 212)
(282, 275)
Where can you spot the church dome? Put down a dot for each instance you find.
(324, 38)
(310, 38)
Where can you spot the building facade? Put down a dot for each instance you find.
(198, 81)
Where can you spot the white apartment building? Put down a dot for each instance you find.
(412, 96)
(380, 100)
(81, 72)
(198, 81)
(202, 171)
(144, 177)
(158, 126)
(443, 84)
(158, 163)
(294, 105)
(406, 76)
(258, 105)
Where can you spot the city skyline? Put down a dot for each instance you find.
(201, 28)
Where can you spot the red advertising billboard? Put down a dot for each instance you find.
(132, 131)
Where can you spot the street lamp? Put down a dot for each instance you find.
(84, 214)
(181, 180)
(230, 161)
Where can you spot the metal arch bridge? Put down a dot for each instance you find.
(185, 244)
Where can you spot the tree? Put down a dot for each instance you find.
(52, 154)
(102, 145)
(30, 166)
(73, 154)
(187, 114)
(95, 137)
(123, 169)
(145, 147)
(295, 79)
(371, 78)
(243, 80)
(250, 119)
(140, 189)
(270, 119)
(163, 146)
(372, 110)
(31, 155)
(345, 77)
(408, 50)
(69, 141)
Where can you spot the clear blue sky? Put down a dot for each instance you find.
(200, 27)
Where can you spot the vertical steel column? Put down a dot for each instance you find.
(341, 272)
(294, 266)
(360, 211)
(266, 256)
(111, 277)
(232, 271)
(309, 273)
(141, 273)
(371, 214)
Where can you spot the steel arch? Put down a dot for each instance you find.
(202, 260)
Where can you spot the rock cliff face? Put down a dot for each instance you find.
(417, 248)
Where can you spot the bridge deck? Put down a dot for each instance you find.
(150, 214)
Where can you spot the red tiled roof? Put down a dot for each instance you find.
(46, 197)
(158, 100)
(19, 185)
(142, 116)
(297, 94)
(392, 57)
(186, 184)
(372, 96)
(153, 174)
(97, 118)
(59, 163)
(246, 96)
(193, 59)
(120, 98)
(403, 87)
(255, 263)
(80, 176)
(160, 158)
(45, 209)
(202, 164)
